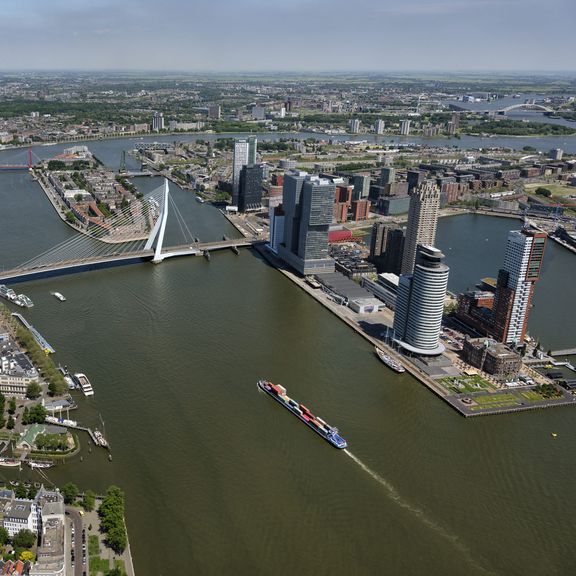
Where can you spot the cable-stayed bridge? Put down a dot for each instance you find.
(134, 235)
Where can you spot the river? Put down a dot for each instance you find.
(110, 151)
(220, 480)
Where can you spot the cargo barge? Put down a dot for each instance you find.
(317, 424)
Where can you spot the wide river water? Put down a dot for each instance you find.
(220, 480)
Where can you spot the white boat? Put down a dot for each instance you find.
(26, 302)
(84, 384)
(201, 200)
(33, 464)
(100, 438)
(59, 296)
(9, 462)
(389, 361)
(62, 421)
(70, 381)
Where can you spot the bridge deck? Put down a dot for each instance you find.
(99, 262)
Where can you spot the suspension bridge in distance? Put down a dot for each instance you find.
(86, 252)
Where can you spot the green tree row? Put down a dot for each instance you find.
(111, 514)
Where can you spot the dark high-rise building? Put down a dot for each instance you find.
(250, 191)
(415, 178)
(308, 206)
(387, 176)
(386, 247)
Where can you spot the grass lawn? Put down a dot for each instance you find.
(556, 189)
(93, 545)
(460, 384)
(495, 401)
(98, 565)
(532, 396)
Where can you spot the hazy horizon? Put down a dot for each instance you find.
(299, 36)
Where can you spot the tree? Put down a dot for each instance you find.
(24, 539)
(27, 556)
(541, 191)
(20, 491)
(34, 415)
(116, 539)
(111, 514)
(11, 423)
(33, 390)
(4, 536)
(114, 572)
(12, 406)
(89, 500)
(69, 491)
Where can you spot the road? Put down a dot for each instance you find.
(76, 519)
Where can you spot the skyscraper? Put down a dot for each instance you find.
(515, 285)
(405, 127)
(214, 111)
(422, 221)
(157, 121)
(386, 247)
(387, 175)
(361, 186)
(354, 126)
(252, 149)
(240, 159)
(250, 189)
(379, 126)
(308, 206)
(420, 304)
(276, 215)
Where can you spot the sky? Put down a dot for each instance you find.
(288, 35)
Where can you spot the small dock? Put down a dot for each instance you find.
(42, 342)
(567, 352)
(89, 431)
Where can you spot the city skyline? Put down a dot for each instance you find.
(226, 36)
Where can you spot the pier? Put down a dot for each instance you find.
(89, 431)
(42, 342)
(567, 352)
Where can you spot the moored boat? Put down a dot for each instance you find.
(26, 302)
(34, 464)
(9, 462)
(84, 384)
(100, 438)
(327, 432)
(389, 361)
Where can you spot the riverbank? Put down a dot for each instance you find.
(487, 402)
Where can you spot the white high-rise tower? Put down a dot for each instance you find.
(422, 222)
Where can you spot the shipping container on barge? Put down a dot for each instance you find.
(317, 424)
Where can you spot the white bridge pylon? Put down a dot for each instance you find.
(159, 227)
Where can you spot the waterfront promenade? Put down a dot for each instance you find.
(465, 403)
